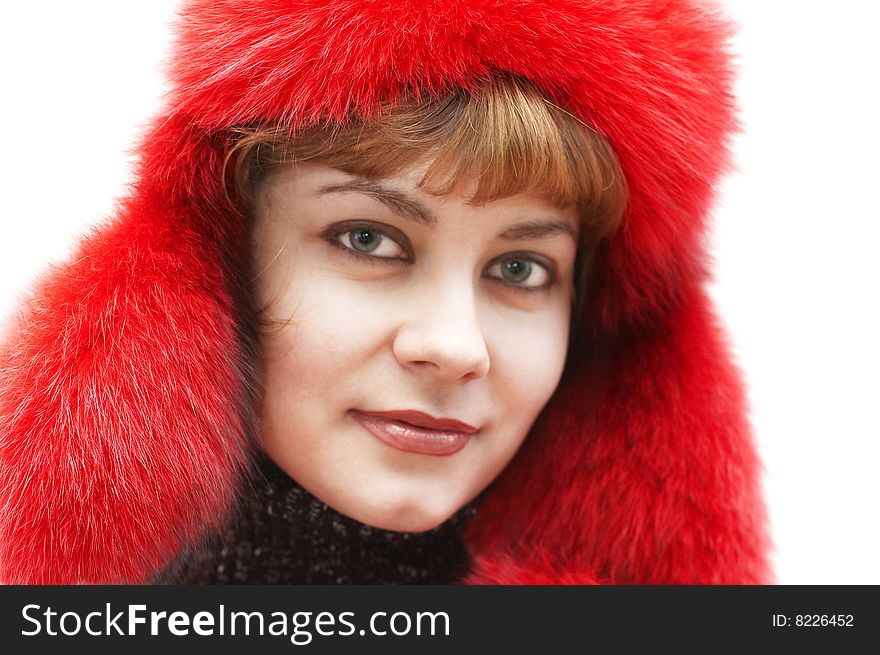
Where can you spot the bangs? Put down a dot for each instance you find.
(498, 140)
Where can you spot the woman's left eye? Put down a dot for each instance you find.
(521, 271)
(371, 242)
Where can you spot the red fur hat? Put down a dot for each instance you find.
(122, 407)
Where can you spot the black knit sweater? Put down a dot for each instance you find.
(281, 534)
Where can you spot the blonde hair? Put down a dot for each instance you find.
(504, 136)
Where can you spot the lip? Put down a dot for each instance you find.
(416, 432)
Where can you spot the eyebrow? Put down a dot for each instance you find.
(411, 209)
(396, 201)
(537, 230)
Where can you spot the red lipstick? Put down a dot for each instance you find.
(416, 432)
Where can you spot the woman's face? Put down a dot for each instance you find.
(417, 337)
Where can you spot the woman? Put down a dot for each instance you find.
(379, 292)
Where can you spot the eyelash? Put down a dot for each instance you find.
(332, 236)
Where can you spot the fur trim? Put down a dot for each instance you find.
(641, 469)
(122, 432)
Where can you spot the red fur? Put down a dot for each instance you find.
(120, 427)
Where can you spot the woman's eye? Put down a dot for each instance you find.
(521, 272)
(372, 242)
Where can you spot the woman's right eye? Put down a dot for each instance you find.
(370, 242)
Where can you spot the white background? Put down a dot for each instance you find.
(796, 236)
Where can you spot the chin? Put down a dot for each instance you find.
(404, 517)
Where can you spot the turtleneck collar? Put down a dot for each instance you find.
(281, 534)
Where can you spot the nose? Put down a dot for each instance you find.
(440, 335)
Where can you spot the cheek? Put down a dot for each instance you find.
(325, 325)
(318, 357)
(529, 356)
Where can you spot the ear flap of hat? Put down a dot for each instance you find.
(640, 471)
(120, 402)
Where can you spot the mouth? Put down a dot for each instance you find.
(416, 432)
